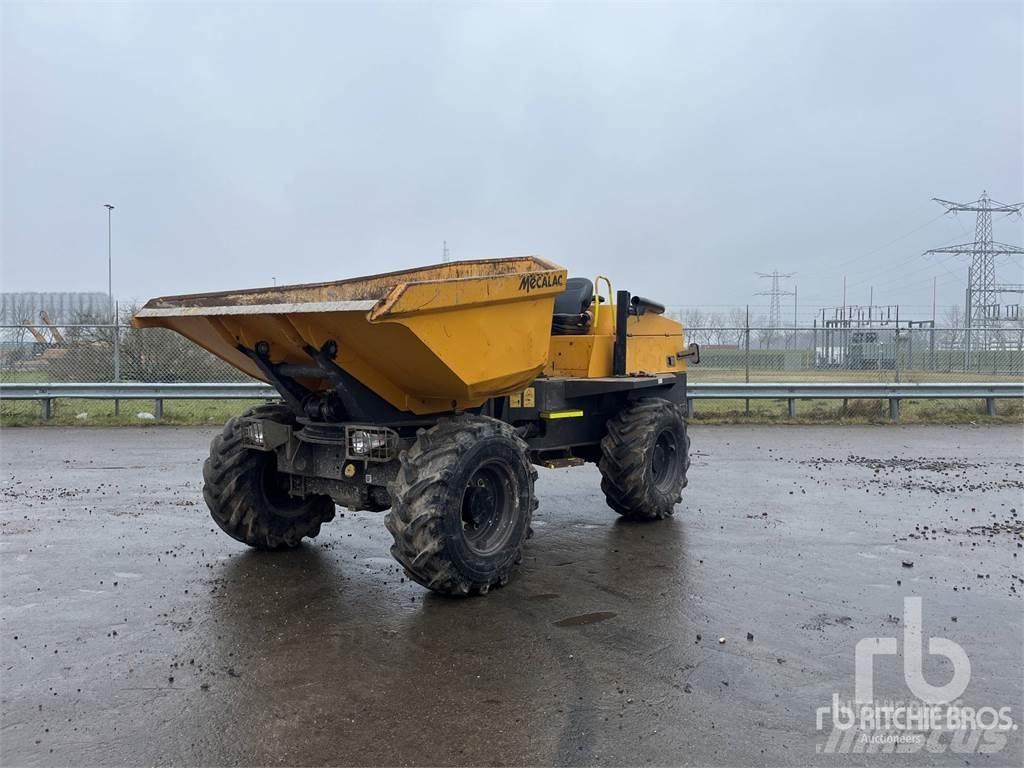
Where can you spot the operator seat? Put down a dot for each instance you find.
(572, 307)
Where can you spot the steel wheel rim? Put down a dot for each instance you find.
(486, 512)
(665, 458)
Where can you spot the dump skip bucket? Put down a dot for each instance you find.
(427, 340)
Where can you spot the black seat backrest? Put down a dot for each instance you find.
(578, 295)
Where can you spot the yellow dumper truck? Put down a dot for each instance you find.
(432, 393)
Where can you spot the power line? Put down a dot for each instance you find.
(860, 258)
(913, 277)
(911, 261)
(879, 249)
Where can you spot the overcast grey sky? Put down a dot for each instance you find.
(676, 147)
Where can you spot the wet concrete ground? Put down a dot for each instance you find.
(133, 633)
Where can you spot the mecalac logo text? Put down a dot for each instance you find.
(534, 281)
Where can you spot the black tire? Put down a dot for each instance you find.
(246, 495)
(644, 459)
(461, 505)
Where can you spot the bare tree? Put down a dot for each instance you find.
(696, 326)
(144, 354)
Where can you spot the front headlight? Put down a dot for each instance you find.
(363, 443)
(252, 433)
(370, 443)
(360, 443)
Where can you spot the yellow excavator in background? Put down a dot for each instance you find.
(40, 339)
(58, 337)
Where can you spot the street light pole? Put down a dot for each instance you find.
(110, 264)
(115, 331)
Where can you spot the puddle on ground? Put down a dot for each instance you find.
(585, 618)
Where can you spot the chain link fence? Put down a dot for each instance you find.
(903, 355)
(109, 353)
(44, 353)
(91, 353)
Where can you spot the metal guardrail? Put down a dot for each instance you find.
(47, 393)
(105, 390)
(894, 393)
(788, 391)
